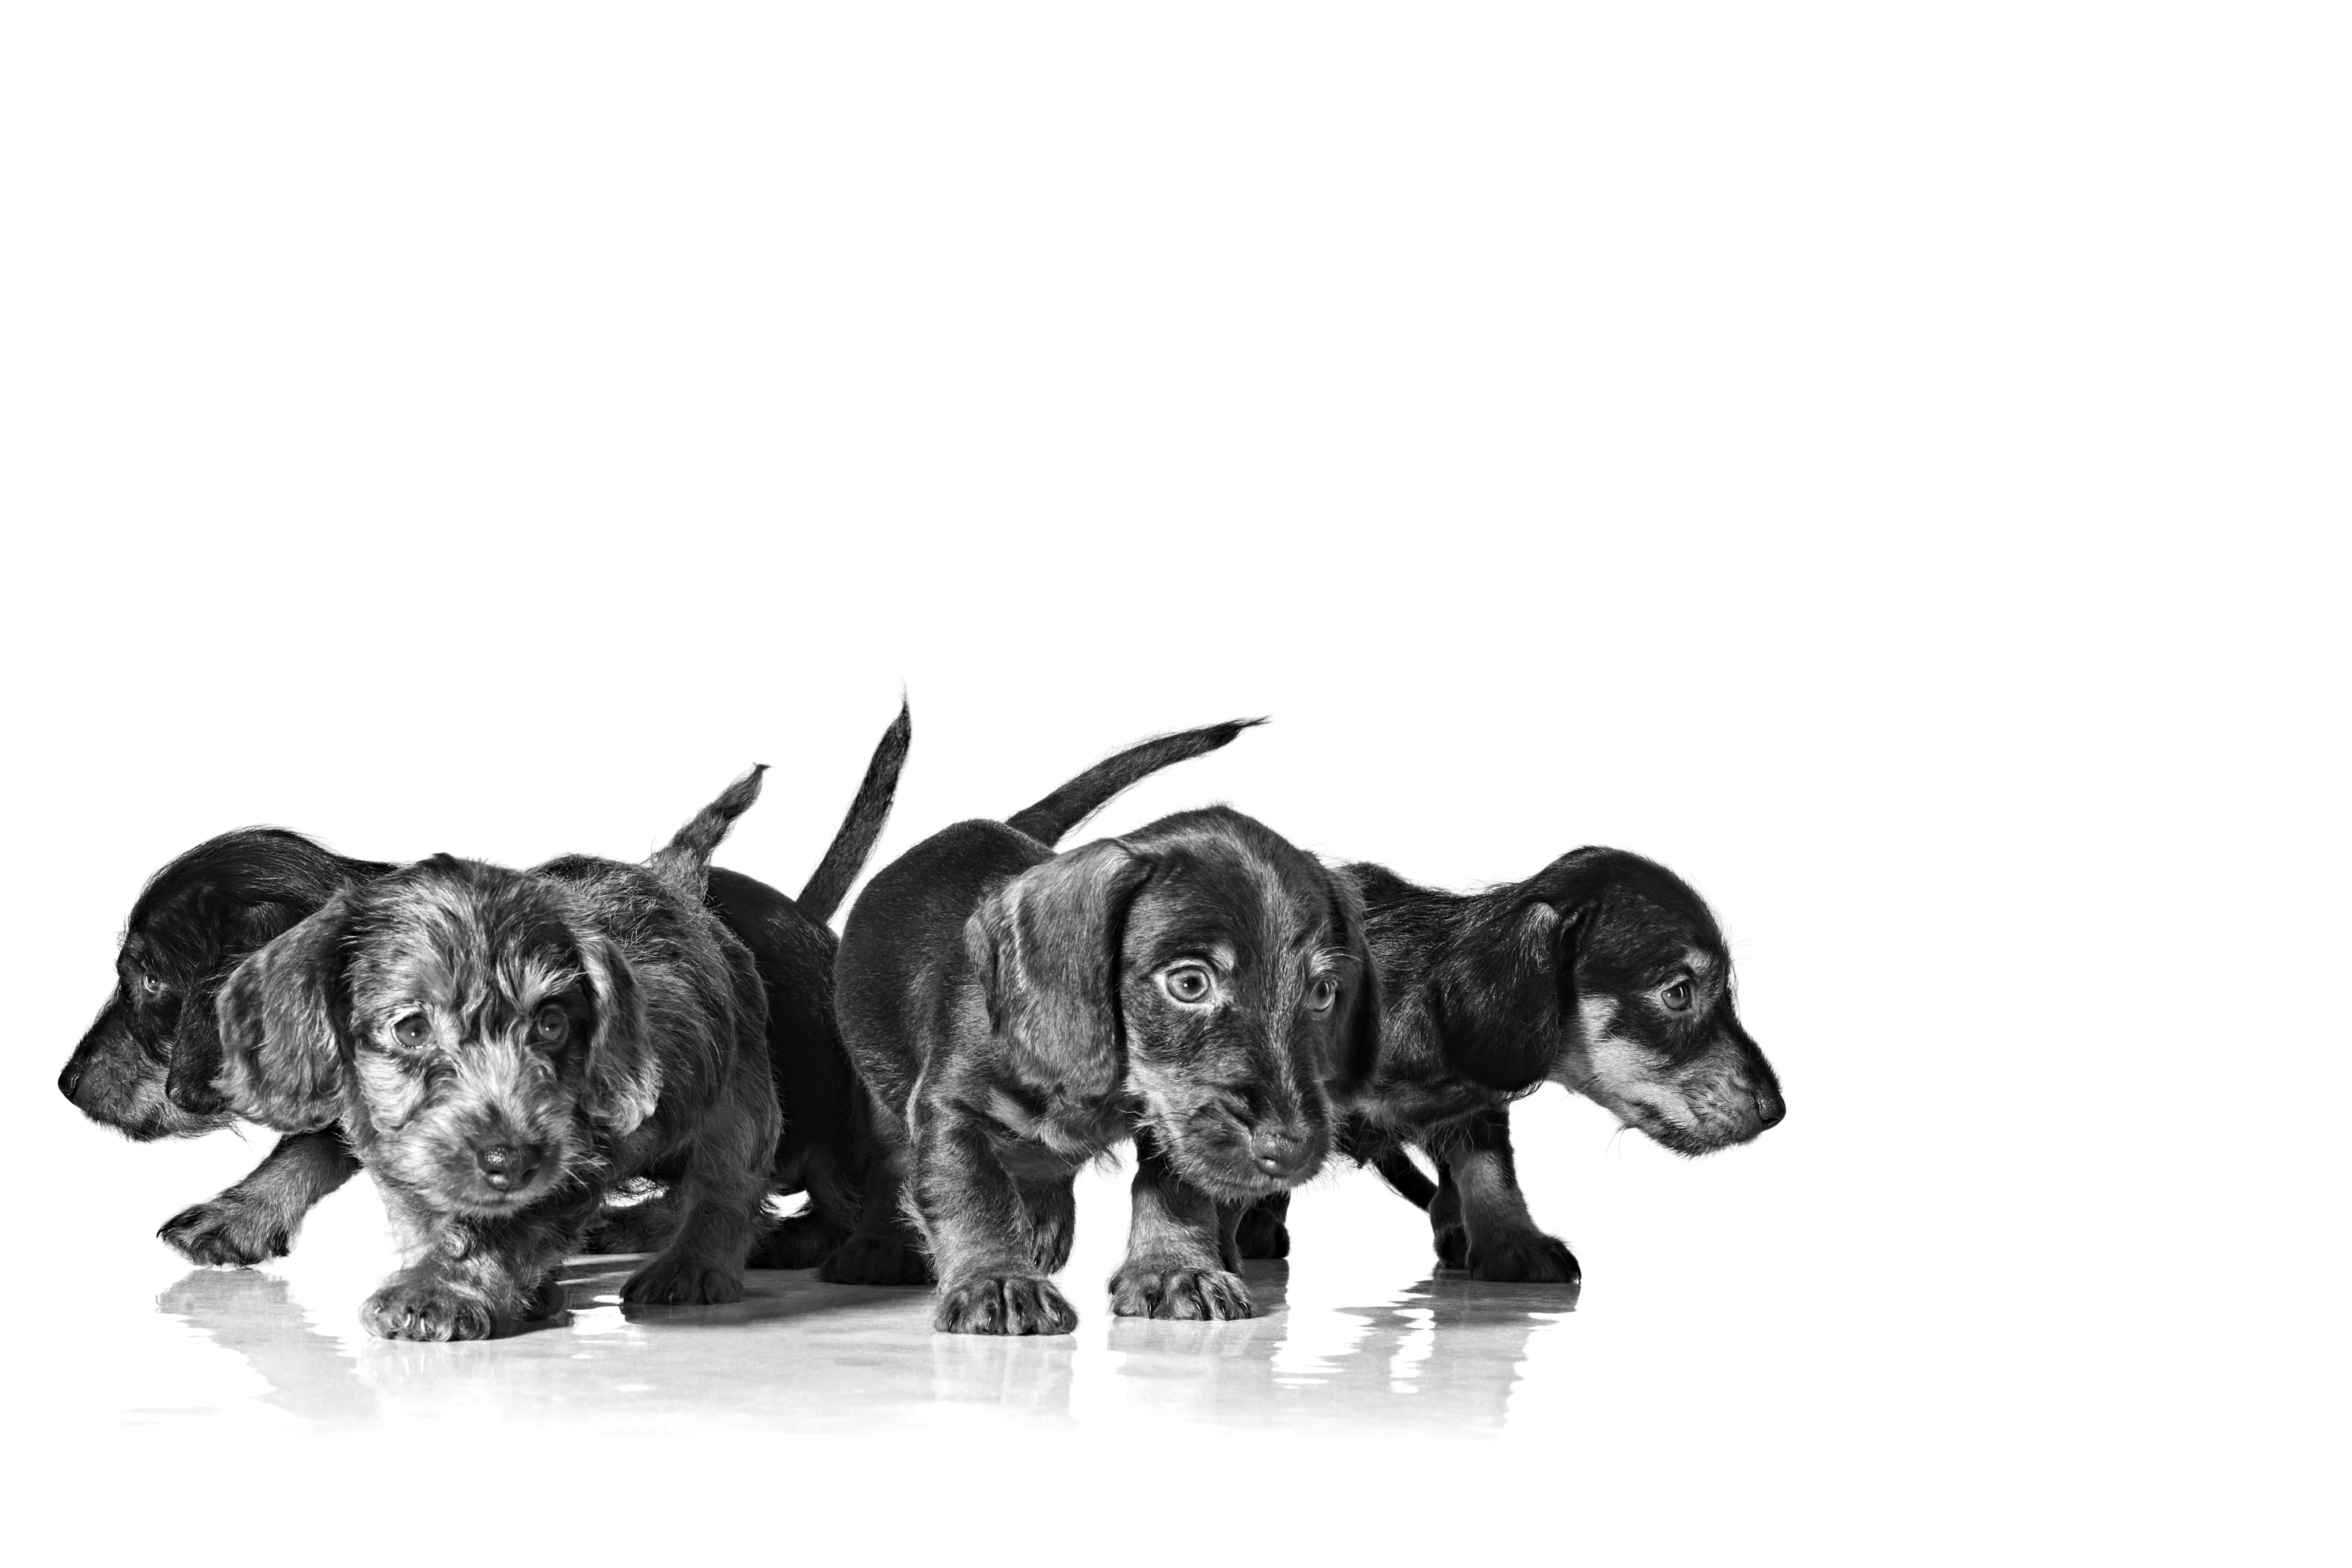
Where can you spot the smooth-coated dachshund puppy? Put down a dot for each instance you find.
(502, 1048)
(145, 1068)
(1200, 984)
(1605, 972)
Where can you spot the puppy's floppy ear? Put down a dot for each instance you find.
(1357, 1042)
(624, 1074)
(1045, 948)
(192, 1081)
(285, 1024)
(1496, 993)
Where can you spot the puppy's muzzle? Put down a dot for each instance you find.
(505, 1166)
(1284, 1154)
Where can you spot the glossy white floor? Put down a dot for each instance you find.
(1818, 1325)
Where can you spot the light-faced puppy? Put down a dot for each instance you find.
(1200, 984)
(147, 1063)
(1605, 973)
(501, 1049)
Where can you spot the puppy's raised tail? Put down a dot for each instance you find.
(1081, 798)
(686, 858)
(846, 856)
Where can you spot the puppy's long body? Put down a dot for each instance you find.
(500, 1048)
(1199, 985)
(146, 1066)
(1605, 972)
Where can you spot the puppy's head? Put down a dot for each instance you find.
(147, 1063)
(468, 1026)
(1205, 966)
(1607, 973)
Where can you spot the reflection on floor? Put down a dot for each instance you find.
(798, 1354)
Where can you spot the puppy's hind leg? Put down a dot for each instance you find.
(884, 1250)
(1175, 1253)
(255, 1220)
(646, 1226)
(1264, 1228)
(810, 1236)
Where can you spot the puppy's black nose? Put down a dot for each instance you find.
(508, 1165)
(1279, 1152)
(69, 1080)
(1770, 1108)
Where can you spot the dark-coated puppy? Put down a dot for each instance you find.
(1605, 972)
(1200, 984)
(885, 1249)
(146, 1065)
(501, 1047)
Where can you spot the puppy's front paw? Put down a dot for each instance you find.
(1150, 1289)
(1260, 1234)
(1003, 1304)
(802, 1241)
(427, 1310)
(874, 1260)
(1533, 1258)
(227, 1231)
(684, 1281)
(1452, 1244)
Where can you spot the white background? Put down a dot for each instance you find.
(1887, 463)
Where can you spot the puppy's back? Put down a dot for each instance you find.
(902, 946)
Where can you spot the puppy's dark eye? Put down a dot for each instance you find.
(150, 984)
(1187, 983)
(1677, 997)
(551, 1026)
(411, 1031)
(1322, 994)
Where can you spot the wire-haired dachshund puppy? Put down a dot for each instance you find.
(1200, 984)
(146, 1065)
(502, 1046)
(1605, 972)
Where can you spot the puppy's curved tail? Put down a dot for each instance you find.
(1081, 798)
(686, 858)
(868, 810)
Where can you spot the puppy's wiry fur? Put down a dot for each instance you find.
(500, 1048)
(1200, 984)
(146, 1066)
(1605, 973)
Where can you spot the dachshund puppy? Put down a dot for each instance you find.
(1605, 972)
(500, 1048)
(885, 1249)
(1200, 984)
(146, 1066)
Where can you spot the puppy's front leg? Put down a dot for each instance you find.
(1503, 1243)
(470, 1280)
(979, 1232)
(720, 1198)
(1174, 1266)
(255, 1220)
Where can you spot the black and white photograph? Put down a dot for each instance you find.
(1283, 782)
